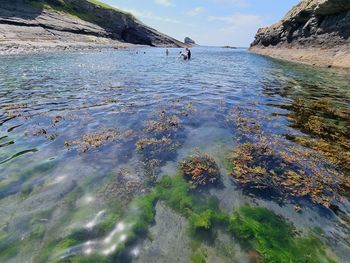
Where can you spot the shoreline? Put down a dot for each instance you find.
(330, 58)
(32, 47)
(19, 47)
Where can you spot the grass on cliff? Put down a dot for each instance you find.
(106, 6)
(68, 8)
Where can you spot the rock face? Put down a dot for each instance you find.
(322, 25)
(74, 21)
(189, 41)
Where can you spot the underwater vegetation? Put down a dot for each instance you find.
(40, 132)
(264, 161)
(13, 110)
(258, 165)
(200, 169)
(98, 139)
(273, 238)
(122, 187)
(256, 229)
(24, 181)
(160, 136)
(328, 130)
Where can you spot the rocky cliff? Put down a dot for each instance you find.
(313, 32)
(71, 22)
(189, 41)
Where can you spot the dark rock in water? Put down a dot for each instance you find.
(312, 24)
(189, 41)
(75, 21)
(230, 47)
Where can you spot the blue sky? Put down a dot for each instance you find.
(208, 22)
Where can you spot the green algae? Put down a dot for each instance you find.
(174, 191)
(9, 248)
(200, 256)
(67, 7)
(91, 259)
(202, 220)
(16, 178)
(9, 251)
(274, 238)
(255, 228)
(18, 155)
(145, 214)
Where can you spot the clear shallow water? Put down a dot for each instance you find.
(55, 182)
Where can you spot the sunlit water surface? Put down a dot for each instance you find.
(55, 182)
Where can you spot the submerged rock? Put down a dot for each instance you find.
(170, 241)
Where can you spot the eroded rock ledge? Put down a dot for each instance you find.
(27, 24)
(314, 32)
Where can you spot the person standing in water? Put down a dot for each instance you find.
(167, 52)
(189, 54)
(182, 55)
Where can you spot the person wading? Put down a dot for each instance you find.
(182, 55)
(189, 54)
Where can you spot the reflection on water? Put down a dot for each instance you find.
(84, 135)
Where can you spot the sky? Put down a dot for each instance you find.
(208, 22)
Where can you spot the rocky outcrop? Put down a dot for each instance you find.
(47, 22)
(314, 31)
(189, 41)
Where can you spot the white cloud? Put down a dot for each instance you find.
(195, 11)
(164, 2)
(239, 20)
(237, 29)
(239, 3)
(150, 16)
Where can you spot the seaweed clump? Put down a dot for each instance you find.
(263, 162)
(160, 137)
(200, 170)
(98, 139)
(327, 131)
(258, 166)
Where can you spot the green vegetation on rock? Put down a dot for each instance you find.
(8, 248)
(199, 256)
(104, 5)
(256, 229)
(66, 6)
(274, 238)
